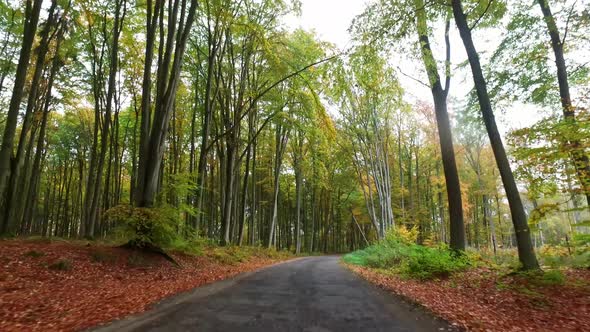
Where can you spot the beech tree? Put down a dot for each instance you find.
(32, 11)
(167, 122)
(526, 252)
(399, 20)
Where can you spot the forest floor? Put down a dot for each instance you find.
(58, 285)
(486, 299)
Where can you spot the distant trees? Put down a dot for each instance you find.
(405, 20)
(367, 93)
(241, 131)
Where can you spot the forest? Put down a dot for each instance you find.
(178, 121)
(150, 147)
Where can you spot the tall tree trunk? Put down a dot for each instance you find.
(253, 200)
(153, 139)
(280, 143)
(12, 190)
(457, 227)
(32, 10)
(95, 183)
(526, 253)
(578, 154)
(298, 190)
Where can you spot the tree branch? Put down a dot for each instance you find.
(482, 15)
(412, 78)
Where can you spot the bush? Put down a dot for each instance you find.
(428, 263)
(34, 254)
(540, 278)
(400, 254)
(232, 255)
(145, 226)
(61, 265)
(192, 246)
(559, 256)
(102, 257)
(554, 277)
(191, 243)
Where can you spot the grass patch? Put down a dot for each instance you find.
(412, 260)
(193, 246)
(540, 278)
(61, 265)
(232, 255)
(98, 256)
(34, 254)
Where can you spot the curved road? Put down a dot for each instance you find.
(309, 294)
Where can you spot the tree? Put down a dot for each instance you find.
(414, 17)
(32, 11)
(526, 252)
(578, 153)
(152, 133)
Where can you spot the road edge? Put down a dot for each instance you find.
(169, 304)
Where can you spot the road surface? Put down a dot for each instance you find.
(314, 294)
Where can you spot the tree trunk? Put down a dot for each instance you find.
(298, 190)
(31, 19)
(153, 138)
(280, 144)
(526, 252)
(12, 190)
(578, 154)
(457, 228)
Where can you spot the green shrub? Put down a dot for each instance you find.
(581, 260)
(540, 278)
(582, 240)
(400, 254)
(102, 257)
(146, 226)
(553, 277)
(61, 265)
(34, 254)
(192, 246)
(230, 255)
(560, 256)
(191, 243)
(427, 263)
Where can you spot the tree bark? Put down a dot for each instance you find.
(32, 12)
(457, 227)
(526, 251)
(578, 154)
(153, 137)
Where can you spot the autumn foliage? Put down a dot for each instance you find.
(51, 286)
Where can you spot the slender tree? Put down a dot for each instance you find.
(526, 252)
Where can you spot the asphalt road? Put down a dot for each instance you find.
(314, 294)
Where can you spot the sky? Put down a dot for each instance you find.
(330, 20)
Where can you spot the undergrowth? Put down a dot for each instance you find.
(61, 265)
(234, 254)
(398, 252)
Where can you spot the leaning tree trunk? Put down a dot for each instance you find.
(526, 253)
(578, 155)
